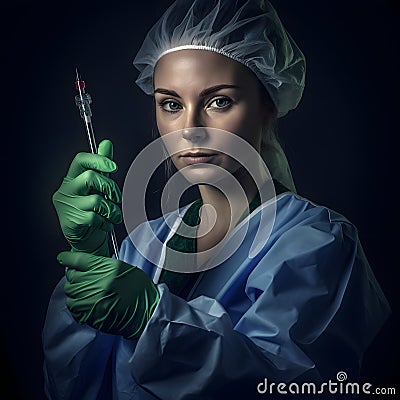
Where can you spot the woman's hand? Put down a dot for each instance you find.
(107, 294)
(84, 213)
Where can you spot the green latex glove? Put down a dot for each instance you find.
(108, 294)
(85, 215)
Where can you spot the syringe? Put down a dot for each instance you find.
(83, 100)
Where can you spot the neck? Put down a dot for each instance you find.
(230, 204)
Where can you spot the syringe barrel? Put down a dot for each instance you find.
(83, 100)
(84, 105)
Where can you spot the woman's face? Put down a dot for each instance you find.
(200, 88)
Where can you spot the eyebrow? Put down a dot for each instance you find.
(203, 93)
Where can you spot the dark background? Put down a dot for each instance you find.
(340, 142)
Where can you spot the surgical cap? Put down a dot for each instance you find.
(249, 32)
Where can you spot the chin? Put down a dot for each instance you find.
(205, 174)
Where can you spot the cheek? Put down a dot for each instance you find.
(245, 121)
(167, 122)
(161, 124)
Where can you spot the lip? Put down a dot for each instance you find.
(197, 157)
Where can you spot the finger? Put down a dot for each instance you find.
(85, 161)
(95, 221)
(98, 204)
(89, 181)
(106, 149)
(80, 220)
(77, 310)
(82, 284)
(78, 288)
(74, 281)
(70, 275)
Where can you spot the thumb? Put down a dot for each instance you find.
(79, 260)
(106, 149)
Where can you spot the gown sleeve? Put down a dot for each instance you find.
(77, 357)
(314, 308)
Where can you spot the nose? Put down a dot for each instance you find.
(193, 129)
(194, 134)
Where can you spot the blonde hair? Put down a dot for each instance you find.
(275, 159)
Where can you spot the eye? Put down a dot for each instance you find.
(170, 106)
(220, 102)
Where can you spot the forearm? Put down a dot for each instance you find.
(190, 350)
(76, 356)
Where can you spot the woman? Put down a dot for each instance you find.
(301, 308)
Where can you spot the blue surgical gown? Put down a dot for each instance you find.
(306, 306)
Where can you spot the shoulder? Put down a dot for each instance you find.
(313, 251)
(308, 240)
(299, 216)
(315, 265)
(291, 205)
